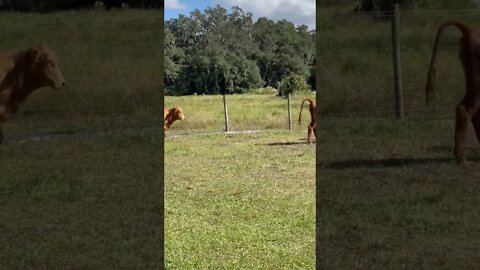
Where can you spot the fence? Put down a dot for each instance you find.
(376, 66)
(289, 112)
(232, 113)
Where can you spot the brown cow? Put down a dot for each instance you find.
(23, 72)
(312, 127)
(171, 115)
(467, 109)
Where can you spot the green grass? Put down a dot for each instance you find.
(83, 203)
(392, 196)
(243, 201)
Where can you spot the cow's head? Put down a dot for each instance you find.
(45, 69)
(178, 113)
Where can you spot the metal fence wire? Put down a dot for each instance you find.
(360, 57)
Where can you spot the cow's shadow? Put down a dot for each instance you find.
(387, 162)
(287, 143)
(446, 157)
(391, 162)
(449, 149)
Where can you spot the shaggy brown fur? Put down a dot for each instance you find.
(23, 72)
(467, 109)
(312, 127)
(171, 115)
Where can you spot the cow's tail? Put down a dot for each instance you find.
(301, 108)
(431, 71)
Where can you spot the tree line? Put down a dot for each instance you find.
(219, 51)
(56, 5)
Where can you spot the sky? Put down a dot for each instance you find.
(296, 11)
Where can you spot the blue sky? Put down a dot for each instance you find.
(296, 11)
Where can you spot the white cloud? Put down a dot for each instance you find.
(174, 4)
(296, 11)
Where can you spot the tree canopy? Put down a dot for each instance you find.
(219, 51)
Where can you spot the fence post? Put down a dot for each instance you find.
(397, 66)
(289, 113)
(225, 110)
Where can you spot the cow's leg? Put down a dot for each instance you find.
(3, 113)
(464, 114)
(3, 118)
(310, 133)
(13, 108)
(476, 124)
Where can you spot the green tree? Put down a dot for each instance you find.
(283, 50)
(174, 58)
(293, 84)
(220, 51)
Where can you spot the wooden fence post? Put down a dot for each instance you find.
(225, 110)
(289, 113)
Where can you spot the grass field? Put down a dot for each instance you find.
(81, 203)
(80, 167)
(239, 201)
(392, 196)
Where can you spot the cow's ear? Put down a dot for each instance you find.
(34, 54)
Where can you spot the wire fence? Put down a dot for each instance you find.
(356, 75)
(242, 112)
(70, 21)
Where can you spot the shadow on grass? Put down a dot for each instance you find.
(449, 148)
(392, 162)
(288, 143)
(389, 162)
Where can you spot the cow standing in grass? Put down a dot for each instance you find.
(23, 72)
(312, 127)
(171, 115)
(467, 110)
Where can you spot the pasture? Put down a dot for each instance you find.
(392, 196)
(239, 201)
(80, 167)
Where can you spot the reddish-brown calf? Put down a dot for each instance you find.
(312, 127)
(467, 109)
(23, 72)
